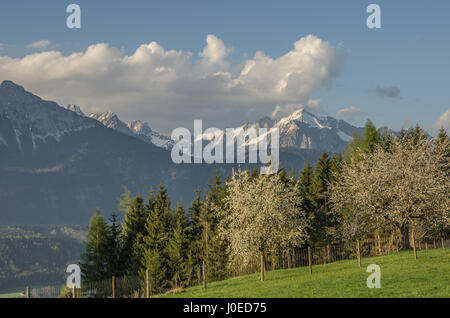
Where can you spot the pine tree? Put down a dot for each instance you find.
(153, 250)
(177, 247)
(321, 181)
(195, 235)
(152, 242)
(215, 248)
(371, 137)
(306, 190)
(113, 248)
(94, 259)
(134, 224)
(355, 148)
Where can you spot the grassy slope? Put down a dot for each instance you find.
(12, 293)
(401, 276)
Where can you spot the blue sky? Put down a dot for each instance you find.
(396, 75)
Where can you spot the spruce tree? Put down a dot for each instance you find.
(94, 260)
(115, 266)
(215, 248)
(177, 247)
(371, 137)
(306, 190)
(321, 181)
(134, 224)
(195, 236)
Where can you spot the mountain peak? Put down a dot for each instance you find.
(76, 109)
(6, 84)
(11, 93)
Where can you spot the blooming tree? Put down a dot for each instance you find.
(399, 187)
(261, 213)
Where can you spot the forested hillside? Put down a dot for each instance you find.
(39, 254)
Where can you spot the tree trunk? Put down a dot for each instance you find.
(405, 238)
(289, 259)
(204, 273)
(328, 253)
(414, 243)
(426, 245)
(262, 266)
(434, 243)
(379, 245)
(442, 242)
(358, 253)
(309, 260)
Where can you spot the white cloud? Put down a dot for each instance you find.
(351, 114)
(311, 105)
(170, 88)
(42, 44)
(443, 121)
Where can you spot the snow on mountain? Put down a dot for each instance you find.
(304, 130)
(28, 120)
(110, 120)
(144, 131)
(135, 128)
(76, 109)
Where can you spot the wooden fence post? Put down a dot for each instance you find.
(113, 286)
(204, 273)
(442, 242)
(358, 252)
(28, 295)
(309, 260)
(74, 292)
(426, 245)
(147, 285)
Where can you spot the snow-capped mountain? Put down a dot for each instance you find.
(134, 128)
(304, 130)
(110, 120)
(76, 109)
(26, 120)
(144, 131)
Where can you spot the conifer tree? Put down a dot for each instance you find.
(113, 248)
(322, 177)
(152, 242)
(371, 137)
(134, 224)
(196, 244)
(215, 248)
(178, 247)
(94, 259)
(306, 191)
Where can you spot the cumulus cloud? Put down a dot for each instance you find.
(42, 44)
(171, 88)
(388, 91)
(312, 105)
(351, 114)
(443, 121)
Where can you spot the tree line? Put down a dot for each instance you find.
(382, 185)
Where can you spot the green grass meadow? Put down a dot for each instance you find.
(401, 276)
